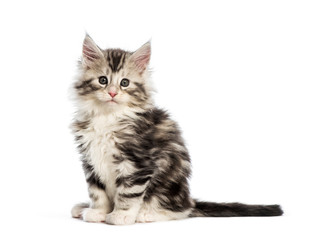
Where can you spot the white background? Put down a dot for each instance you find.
(234, 74)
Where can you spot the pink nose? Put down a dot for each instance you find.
(112, 94)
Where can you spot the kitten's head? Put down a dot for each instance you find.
(113, 79)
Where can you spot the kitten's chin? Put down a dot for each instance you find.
(112, 106)
(111, 102)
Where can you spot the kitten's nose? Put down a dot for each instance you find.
(112, 94)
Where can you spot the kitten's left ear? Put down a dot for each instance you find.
(141, 57)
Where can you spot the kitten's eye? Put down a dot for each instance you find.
(103, 80)
(125, 82)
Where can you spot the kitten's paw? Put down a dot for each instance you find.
(77, 209)
(94, 215)
(120, 218)
(145, 217)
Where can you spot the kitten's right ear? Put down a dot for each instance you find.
(91, 52)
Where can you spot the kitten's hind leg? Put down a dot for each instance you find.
(77, 209)
(150, 212)
(161, 215)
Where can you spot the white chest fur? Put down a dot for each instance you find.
(101, 138)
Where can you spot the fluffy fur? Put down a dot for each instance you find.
(134, 158)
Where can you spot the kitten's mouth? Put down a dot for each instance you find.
(112, 101)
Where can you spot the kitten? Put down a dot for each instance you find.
(134, 158)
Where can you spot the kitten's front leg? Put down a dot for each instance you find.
(100, 205)
(127, 203)
(125, 210)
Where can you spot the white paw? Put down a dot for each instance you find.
(77, 209)
(94, 215)
(144, 217)
(120, 218)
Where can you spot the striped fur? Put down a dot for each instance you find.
(135, 161)
(116, 59)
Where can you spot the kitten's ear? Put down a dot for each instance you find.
(91, 52)
(141, 57)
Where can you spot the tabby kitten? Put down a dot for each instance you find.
(134, 158)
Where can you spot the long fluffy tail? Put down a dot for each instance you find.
(210, 209)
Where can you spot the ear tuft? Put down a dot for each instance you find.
(142, 56)
(91, 52)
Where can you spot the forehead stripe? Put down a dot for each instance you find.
(116, 59)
